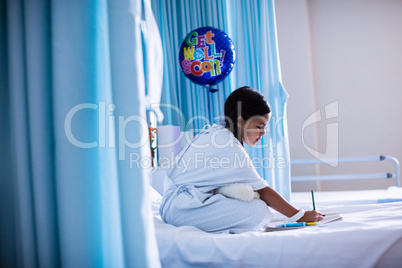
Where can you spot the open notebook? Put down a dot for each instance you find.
(330, 216)
(276, 224)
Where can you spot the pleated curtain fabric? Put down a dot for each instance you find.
(251, 26)
(74, 95)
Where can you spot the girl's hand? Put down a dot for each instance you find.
(310, 216)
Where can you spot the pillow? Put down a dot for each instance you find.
(392, 194)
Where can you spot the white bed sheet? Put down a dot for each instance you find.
(369, 235)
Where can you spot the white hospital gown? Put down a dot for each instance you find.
(213, 159)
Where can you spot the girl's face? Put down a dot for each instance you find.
(254, 128)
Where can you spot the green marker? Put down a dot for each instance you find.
(312, 196)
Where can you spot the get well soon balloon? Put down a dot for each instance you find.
(207, 55)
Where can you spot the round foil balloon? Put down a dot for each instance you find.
(207, 55)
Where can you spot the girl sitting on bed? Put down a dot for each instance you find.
(215, 163)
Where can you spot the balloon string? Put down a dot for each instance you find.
(210, 104)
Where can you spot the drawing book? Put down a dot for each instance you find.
(276, 224)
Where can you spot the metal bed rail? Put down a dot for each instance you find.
(355, 159)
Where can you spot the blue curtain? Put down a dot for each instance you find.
(251, 26)
(73, 100)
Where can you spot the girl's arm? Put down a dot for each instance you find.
(277, 202)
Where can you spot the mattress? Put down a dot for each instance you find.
(369, 235)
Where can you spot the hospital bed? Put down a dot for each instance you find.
(369, 235)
